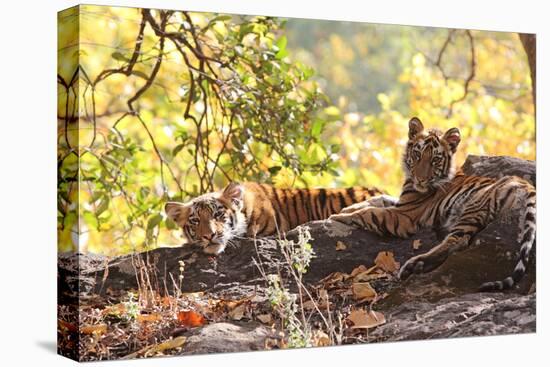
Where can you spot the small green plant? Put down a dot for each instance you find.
(132, 307)
(285, 304)
(297, 256)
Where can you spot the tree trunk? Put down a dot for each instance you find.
(529, 42)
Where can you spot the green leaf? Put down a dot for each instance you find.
(220, 18)
(140, 73)
(274, 170)
(143, 192)
(177, 149)
(103, 205)
(170, 224)
(281, 47)
(281, 54)
(154, 221)
(119, 56)
(332, 111)
(281, 43)
(97, 195)
(90, 219)
(317, 128)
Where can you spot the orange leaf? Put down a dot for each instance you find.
(149, 317)
(94, 329)
(320, 339)
(191, 318)
(117, 310)
(62, 324)
(166, 301)
(385, 261)
(416, 244)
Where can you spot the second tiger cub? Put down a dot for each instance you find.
(250, 209)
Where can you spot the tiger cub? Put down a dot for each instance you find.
(250, 209)
(435, 196)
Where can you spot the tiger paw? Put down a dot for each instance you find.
(419, 264)
(412, 265)
(343, 218)
(355, 207)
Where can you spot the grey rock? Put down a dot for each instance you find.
(474, 314)
(226, 337)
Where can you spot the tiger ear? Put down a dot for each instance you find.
(415, 127)
(234, 192)
(178, 212)
(452, 137)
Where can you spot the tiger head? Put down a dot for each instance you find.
(211, 220)
(429, 157)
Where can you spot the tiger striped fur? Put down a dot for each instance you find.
(434, 195)
(250, 209)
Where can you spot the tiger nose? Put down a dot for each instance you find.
(208, 237)
(421, 181)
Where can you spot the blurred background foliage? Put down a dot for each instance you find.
(166, 105)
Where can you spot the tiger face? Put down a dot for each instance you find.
(428, 159)
(211, 220)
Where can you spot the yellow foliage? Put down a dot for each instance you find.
(496, 117)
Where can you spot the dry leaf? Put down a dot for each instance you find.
(310, 305)
(363, 292)
(272, 343)
(358, 270)
(363, 319)
(361, 272)
(115, 310)
(238, 312)
(320, 339)
(65, 325)
(365, 276)
(385, 261)
(149, 317)
(166, 301)
(152, 349)
(191, 318)
(94, 329)
(417, 244)
(333, 278)
(194, 295)
(265, 318)
(341, 246)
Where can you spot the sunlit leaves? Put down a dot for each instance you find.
(228, 103)
(249, 106)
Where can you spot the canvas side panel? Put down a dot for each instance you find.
(68, 27)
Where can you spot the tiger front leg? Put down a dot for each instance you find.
(458, 239)
(383, 221)
(426, 262)
(381, 201)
